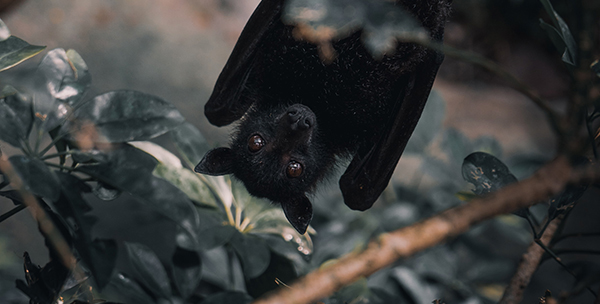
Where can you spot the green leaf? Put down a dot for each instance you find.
(429, 125)
(66, 79)
(16, 117)
(486, 172)
(190, 143)
(568, 46)
(129, 169)
(124, 289)
(279, 268)
(186, 270)
(170, 169)
(99, 255)
(122, 116)
(216, 236)
(228, 297)
(382, 21)
(149, 269)
(14, 51)
(252, 252)
(36, 176)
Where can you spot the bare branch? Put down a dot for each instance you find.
(389, 247)
(529, 264)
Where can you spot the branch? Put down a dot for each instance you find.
(529, 264)
(548, 181)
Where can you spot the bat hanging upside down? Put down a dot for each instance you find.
(298, 115)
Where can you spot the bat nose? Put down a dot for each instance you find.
(300, 117)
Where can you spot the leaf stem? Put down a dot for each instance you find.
(57, 154)
(54, 141)
(12, 212)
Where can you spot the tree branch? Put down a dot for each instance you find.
(529, 264)
(389, 247)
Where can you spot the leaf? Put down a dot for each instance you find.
(564, 201)
(252, 252)
(129, 169)
(127, 290)
(65, 77)
(16, 117)
(328, 20)
(122, 116)
(228, 297)
(190, 143)
(169, 168)
(429, 125)
(568, 45)
(279, 268)
(105, 192)
(14, 51)
(186, 270)
(216, 236)
(36, 176)
(486, 172)
(99, 255)
(149, 269)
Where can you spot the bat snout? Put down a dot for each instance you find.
(300, 118)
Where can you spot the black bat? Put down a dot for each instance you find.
(298, 114)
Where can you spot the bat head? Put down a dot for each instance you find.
(277, 154)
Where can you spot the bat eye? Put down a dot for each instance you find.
(294, 169)
(255, 143)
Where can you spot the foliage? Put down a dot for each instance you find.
(229, 247)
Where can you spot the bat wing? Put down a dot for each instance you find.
(225, 105)
(371, 169)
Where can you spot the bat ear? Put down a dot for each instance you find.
(299, 212)
(217, 161)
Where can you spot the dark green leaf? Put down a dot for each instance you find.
(190, 143)
(228, 297)
(279, 268)
(14, 51)
(36, 176)
(105, 192)
(382, 21)
(129, 169)
(122, 116)
(252, 252)
(149, 269)
(429, 125)
(563, 202)
(568, 46)
(99, 255)
(126, 290)
(216, 236)
(186, 270)
(16, 117)
(65, 77)
(486, 172)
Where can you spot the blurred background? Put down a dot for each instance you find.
(175, 49)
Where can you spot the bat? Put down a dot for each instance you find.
(298, 115)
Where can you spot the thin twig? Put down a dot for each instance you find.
(529, 263)
(12, 212)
